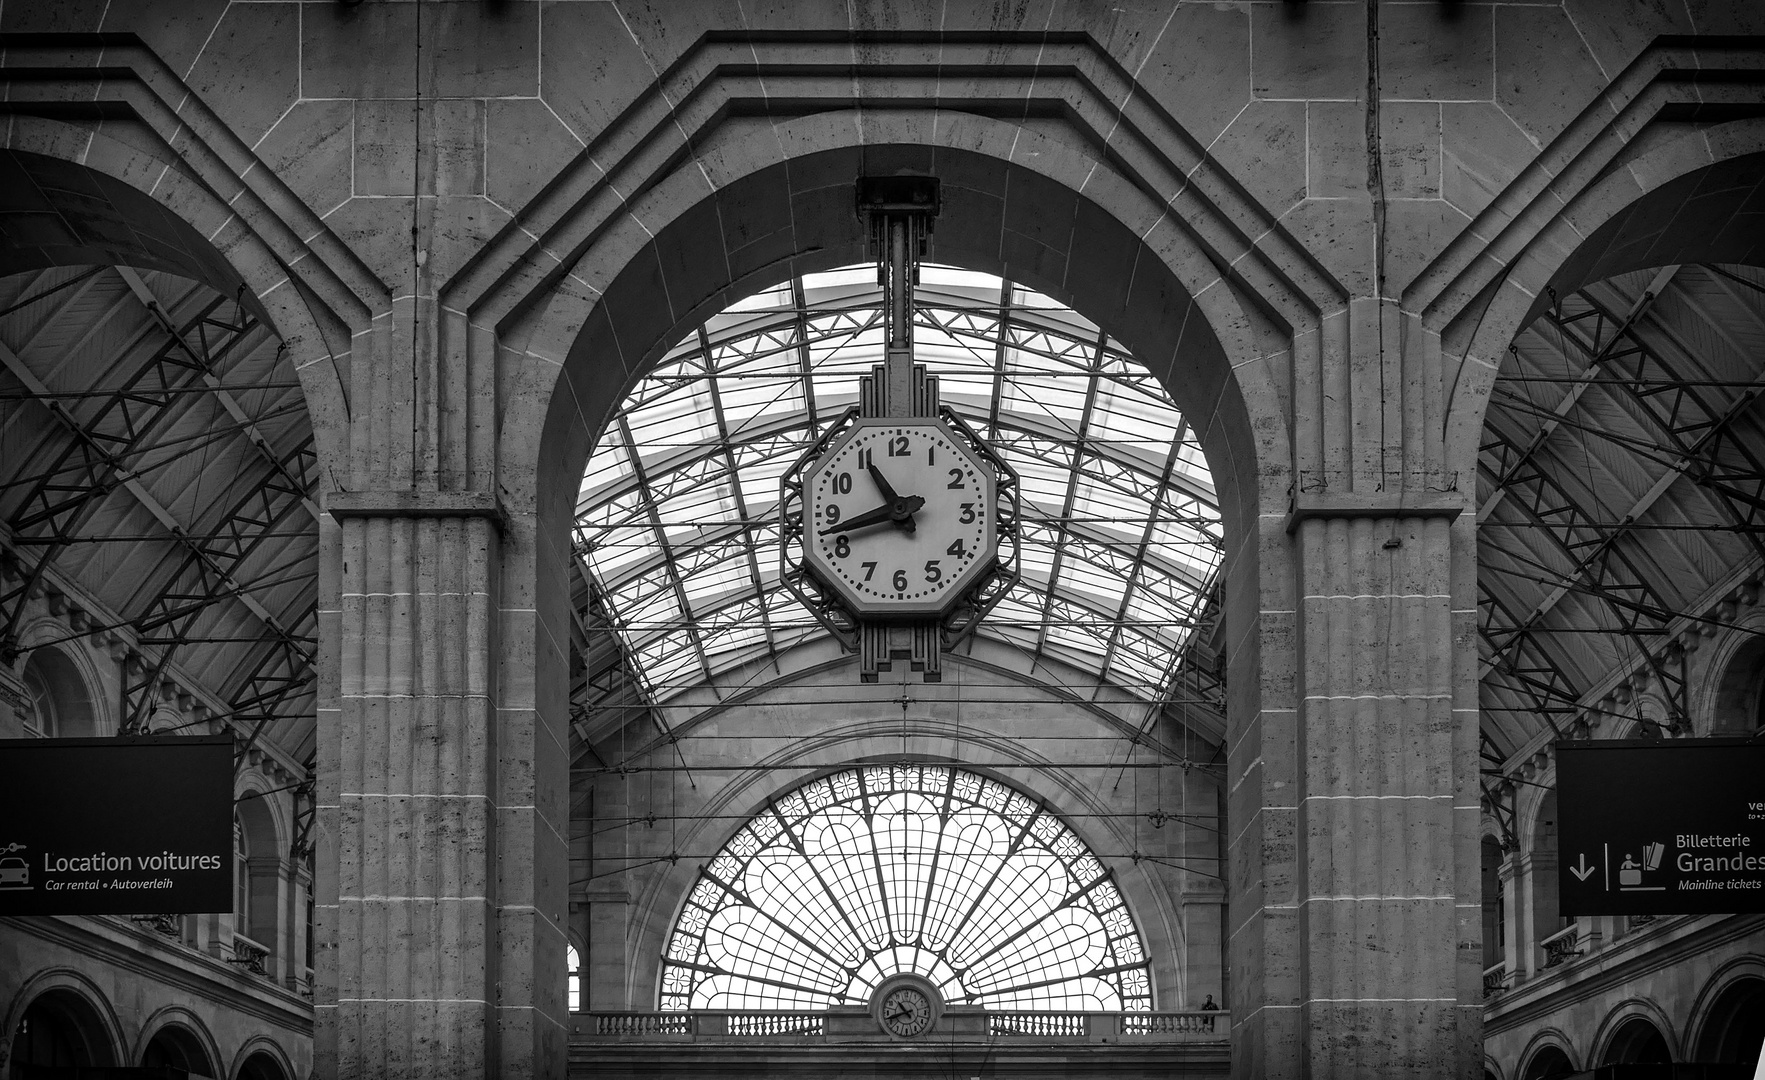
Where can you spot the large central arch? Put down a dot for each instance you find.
(1015, 203)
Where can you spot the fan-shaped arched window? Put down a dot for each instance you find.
(873, 872)
(573, 966)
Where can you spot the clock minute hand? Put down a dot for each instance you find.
(883, 513)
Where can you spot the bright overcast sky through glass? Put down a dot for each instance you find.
(869, 873)
(677, 513)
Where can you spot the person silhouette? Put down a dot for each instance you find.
(1209, 1006)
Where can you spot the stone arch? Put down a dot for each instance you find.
(595, 319)
(1187, 327)
(161, 211)
(258, 815)
(50, 632)
(1549, 1055)
(1731, 699)
(1692, 198)
(658, 906)
(62, 693)
(1732, 995)
(1624, 1034)
(79, 1004)
(261, 1058)
(186, 1033)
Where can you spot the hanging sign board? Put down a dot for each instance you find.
(1661, 828)
(125, 826)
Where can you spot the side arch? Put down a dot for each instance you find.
(261, 1058)
(1625, 1012)
(95, 1017)
(187, 1024)
(1540, 1060)
(152, 211)
(1693, 197)
(1703, 1018)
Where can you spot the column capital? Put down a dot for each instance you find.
(343, 505)
(1381, 505)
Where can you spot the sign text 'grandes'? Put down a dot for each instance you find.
(1661, 828)
(135, 826)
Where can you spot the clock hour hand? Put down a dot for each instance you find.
(882, 483)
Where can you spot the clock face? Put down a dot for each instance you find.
(906, 1012)
(899, 517)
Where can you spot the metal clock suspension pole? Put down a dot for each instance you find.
(900, 210)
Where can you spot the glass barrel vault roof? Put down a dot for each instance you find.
(676, 519)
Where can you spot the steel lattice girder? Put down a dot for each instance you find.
(1590, 551)
(106, 449)
(92, 462)
(1694, 427)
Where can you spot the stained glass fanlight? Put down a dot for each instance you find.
(877, 871)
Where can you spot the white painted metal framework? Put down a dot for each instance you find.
(677, 515)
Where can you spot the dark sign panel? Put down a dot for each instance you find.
(137, 826)
(1661, 828)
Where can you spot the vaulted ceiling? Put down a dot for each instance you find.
(1621, 494)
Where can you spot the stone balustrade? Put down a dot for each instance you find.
(811, 1027)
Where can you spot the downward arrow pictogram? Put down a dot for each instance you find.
(1581, 870)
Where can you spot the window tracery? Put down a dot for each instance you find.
(876, 871)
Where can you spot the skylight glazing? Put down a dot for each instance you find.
(870, 873)
(677, 512)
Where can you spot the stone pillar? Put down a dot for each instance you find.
(15, 701)
(442, 921)
(1539, 871)
(1355, 858)
(266, 883)
(604, 986)
(1510, 889)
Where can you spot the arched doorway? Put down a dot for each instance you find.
(1637, 1041)
(177, 1047)
(261, 1065)
(1548, 1064)
(1734, 1029)
(60, 1029)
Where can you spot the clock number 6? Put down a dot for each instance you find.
(900, 581)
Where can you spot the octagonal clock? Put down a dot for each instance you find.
(899, 517)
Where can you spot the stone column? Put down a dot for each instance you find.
(1510, 889)
(429, 948)
(1355, 857)
(15, 700)
(604, 984)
